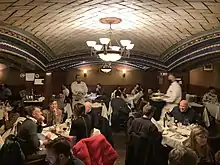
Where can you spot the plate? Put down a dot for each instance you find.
(158, 94)
(156, 98)
(165, 133)
(178, 137)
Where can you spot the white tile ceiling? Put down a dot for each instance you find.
(152, 25)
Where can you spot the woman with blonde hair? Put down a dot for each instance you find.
(198, 142)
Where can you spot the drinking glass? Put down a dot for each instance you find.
(179, 125)
(186, 122)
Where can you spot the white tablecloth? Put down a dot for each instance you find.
(170, 137)
(104, 109)
(53, 135)
(214, 110)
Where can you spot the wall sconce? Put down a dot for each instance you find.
(85, 72)
(124, 72)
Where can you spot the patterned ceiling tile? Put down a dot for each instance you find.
(153, 25)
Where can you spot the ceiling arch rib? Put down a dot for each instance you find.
(15, 51)
(208, 52)
(36, 50)
(196, 40)
(135, 64)
(84, 58)
(74, 65)
(13, 34)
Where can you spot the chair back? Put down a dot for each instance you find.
(98, 110)
(214, 143)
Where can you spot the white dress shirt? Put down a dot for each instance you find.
(79, 88)
(174, 96)
(174, 93)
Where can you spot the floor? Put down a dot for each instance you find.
(119, 141)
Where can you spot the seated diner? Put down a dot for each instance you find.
(109, 82)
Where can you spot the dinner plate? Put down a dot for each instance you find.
(178, 137)
(158, 94)
(165, 133)
(156, 98)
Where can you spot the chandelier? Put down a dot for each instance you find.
(106, 68)
(105, 50)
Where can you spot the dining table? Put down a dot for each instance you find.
(173, 134)
(57, 130)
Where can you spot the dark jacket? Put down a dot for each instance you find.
(94, 118)
(131, 118)
(74, 161)
(28, 135)
(81, 127)
(119, 106)
(103, 126)
(188, 117)
(144, 144)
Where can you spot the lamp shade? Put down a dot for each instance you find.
(106, 70)
(98, 47)
(110, 57)
(104, 41)
(125, 42)
(130, 46)
(91, 43)
(115, 48)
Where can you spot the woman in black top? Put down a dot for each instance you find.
(81, 125)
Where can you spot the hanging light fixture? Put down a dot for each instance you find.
(106, 51)
(106, 68)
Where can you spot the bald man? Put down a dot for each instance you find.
(184, 114)
(92, 113)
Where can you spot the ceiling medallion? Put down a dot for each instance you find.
(106, 51)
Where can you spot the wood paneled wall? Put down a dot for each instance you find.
(52, 83)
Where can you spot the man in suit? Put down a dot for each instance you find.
(29, 129)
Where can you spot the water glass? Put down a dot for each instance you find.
(179, 125)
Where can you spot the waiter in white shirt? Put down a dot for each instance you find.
(79, 90)
(173, 95)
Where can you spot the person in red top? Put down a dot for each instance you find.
(95, 150)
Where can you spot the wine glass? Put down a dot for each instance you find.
(186, 121)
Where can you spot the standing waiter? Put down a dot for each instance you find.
(79, 90)
(173, 95)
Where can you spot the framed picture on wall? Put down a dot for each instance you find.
(208, 67)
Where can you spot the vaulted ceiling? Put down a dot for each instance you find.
(159, 29)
